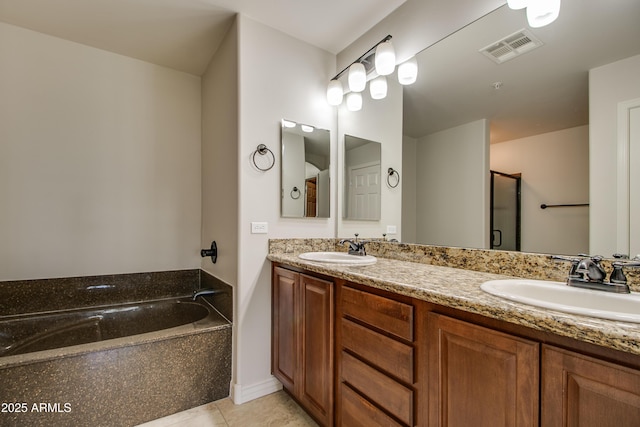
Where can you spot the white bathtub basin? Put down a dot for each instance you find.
(559, 296)
(338, 258)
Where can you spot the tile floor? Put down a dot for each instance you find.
(275, 410)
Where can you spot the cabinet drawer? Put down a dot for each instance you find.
(386, 353)
(358, 412)
(378, 388)
(383, 313)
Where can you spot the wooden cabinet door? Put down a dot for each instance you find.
(285, 326)
(302, 340)
(316, 351)
(582, 391)
(479, 377)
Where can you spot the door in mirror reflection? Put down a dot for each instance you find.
(505, 211)
(362, 179)
(305, 191)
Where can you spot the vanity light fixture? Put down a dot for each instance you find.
(335, 93)
(408, 71)
(380, 61)
(542, 12)
(357, 77)
(385, 58)
(354, 101)
(378, 87)
(539, 12)
(306, 128)
(517, 4)
(288, 124)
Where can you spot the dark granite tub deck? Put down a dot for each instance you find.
(122, 381)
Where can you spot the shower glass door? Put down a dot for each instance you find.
(505, 211)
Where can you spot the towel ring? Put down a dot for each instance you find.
(294, 191)
(263, 150)
(391, 172)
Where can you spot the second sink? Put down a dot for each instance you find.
(559, 296)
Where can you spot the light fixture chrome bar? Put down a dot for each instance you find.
(363, 56)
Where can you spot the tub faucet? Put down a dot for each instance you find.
(355, 247)
(203, 292)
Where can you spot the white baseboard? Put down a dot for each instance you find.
(244, 393)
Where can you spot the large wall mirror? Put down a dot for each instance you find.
(362, 188)
(304, 169)
(523, 95)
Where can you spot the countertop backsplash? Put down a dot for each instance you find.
(519, 264)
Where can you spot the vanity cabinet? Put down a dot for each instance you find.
(479, 377)
(578, 390)
(401, 361)
(302, 340)
(376, 360)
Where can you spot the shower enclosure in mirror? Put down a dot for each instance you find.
(305, 188)
(362, 179)
(505, 211)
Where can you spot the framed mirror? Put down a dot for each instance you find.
(528, 92)
(362, 182)
(304, 171)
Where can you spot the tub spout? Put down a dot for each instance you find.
(202, 292)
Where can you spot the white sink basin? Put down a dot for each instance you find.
(338, 258)
(559, 296)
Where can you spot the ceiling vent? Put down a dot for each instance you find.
(511, 46)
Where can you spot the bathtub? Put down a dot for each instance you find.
(121, 364)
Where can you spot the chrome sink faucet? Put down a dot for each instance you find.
(591, 269)
(355, 247)
(587, 272)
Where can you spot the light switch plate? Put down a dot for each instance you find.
(259, 227)
(392, 229)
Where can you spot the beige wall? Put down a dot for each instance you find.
(452, 186)
(409, 184)
(279, 77)
(99, 161)
(220, 159)
(554, 171)
(608, 86)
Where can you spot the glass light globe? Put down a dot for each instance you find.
(357, 77)
(517, 4)
(335, 93)
(408, 71)
(378, 87)
(354, 101)
(542, 12)
(385, 59)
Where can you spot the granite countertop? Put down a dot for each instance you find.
(460, 289)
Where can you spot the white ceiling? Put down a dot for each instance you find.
(543, 90)
(184, 34)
